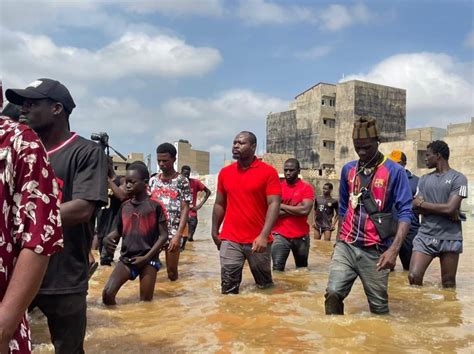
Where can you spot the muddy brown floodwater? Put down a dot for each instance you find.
(191, 315)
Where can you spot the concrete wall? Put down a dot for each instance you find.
(357, 98)
(426, 134)
(309, 120)
(461, 158)
(281, 132)
(198, 160)
(120, 165)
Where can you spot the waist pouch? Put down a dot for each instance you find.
(384, 223)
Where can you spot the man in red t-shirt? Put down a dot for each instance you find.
(248, 196)
(196, 186)
(291, 231)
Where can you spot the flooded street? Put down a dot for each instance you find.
(191, 315)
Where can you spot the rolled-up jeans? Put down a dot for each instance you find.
(233, 256)
(282, 246)
(349, 262)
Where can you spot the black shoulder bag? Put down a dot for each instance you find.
(384, 223)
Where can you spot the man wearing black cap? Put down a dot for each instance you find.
(368, 238)
(81, 171)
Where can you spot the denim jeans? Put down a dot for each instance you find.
(281, 250)
(233, 256)
(349, 262)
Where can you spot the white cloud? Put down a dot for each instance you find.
(337, 17)
(333, 18)
(469, 40)
(261, 12)
(208, 123)
(176, 8)
(313, 53)
(133, 54)
(439, 89)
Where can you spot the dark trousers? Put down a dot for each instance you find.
(349, 262)
(192, 225)
(282, 246)
(233, 256)
(66, 316)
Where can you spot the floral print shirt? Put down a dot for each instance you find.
(30, 209)
(170, 192)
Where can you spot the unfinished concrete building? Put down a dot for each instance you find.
(198, 160)
(358, 98)
(317, 130)
(307, 131)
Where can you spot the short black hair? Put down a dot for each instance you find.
(403, 157)
(252, 136)
(186, 167)
(329, 184)
(439, 147)
(166, 148)
(295, 161)
(141, 168)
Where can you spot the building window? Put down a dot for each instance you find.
(323, 102)
(330, 123)
(331, 145)
(332, 102)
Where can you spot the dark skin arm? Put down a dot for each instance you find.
(24, 284)
(218, 213)
(111, 241)
(207, 194)
(141, 261)
(119, 193)
(451, 208)
(176, 240)
(76, 211)
(388, 259)
(260, 243)
(302, 209)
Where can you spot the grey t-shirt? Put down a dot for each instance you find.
(438, 188)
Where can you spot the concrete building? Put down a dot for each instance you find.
(356, 99)
(198, 160)
(460, 139)
(120, 165)
(307, 131)
(317, 130)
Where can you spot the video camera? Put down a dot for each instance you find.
(102, 138)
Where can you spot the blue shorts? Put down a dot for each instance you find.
(134, 272)
(435, 247)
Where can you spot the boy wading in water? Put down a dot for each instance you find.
(141, 222)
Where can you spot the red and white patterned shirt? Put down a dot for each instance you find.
(30, 208)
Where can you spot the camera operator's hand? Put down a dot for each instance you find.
(110, 168)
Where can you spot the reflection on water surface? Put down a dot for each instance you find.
(191, 315)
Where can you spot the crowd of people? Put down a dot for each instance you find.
(60, 198)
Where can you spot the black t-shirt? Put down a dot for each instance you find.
(80, 166)
(137, 223)
(325, 209)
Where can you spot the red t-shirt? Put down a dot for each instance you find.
(196, 186)
(246, 193)
(294, 226)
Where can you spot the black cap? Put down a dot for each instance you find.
(40, 89)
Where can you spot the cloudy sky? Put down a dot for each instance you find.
(149, 71)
